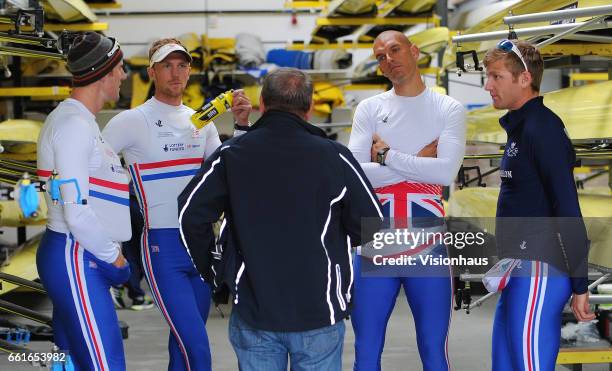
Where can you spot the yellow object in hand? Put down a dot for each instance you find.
(212, 109)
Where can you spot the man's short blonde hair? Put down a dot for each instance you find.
(531, 55)
(161, 42)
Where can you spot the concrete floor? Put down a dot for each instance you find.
(146, 347)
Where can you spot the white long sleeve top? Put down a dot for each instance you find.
(71, 144)
(163, 151)
(407, 124)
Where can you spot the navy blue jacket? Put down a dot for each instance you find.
(293, 203)
(538, 212)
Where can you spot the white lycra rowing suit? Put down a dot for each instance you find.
(163, 150)
(408, 187)
(75, 256)
(407, 124)
(70, 143)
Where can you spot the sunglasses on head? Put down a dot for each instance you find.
(508, 46)
(114, 48)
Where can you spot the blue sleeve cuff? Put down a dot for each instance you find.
(579, 285)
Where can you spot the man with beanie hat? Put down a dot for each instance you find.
(79, 256)
(91, 57)
(164, 150)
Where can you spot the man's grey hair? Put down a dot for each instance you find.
(287, 89)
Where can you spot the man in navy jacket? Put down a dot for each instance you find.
(538, 216)
(294, 202)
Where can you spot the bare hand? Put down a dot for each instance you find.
(241, 107)
(430, 150)
(580, 307)
(377, 145)
(120, 262)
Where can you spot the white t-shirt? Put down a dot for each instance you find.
(163, 150)
(71, 144)
(407, 124)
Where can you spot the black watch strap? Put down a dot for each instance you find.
(241, 127)
(380, 157)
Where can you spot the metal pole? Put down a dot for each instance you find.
(590, 38)
(602, 279)
(15, 280)
(610, 162)
(30, 53)
(29, 40)
(572, 30)
(442, 10)
(528, 31)
(18, 110)
(600, 299)
(475, 277)
(479, 302)
(11, 308)
(556, 15)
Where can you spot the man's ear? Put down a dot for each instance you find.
(262, 107)
(416, 52)
(151, 73)
(308, 114)
(525, 79)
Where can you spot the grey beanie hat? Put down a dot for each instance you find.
(91, 57)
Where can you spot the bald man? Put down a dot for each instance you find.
(410, 142)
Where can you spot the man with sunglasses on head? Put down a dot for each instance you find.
(164, 150)
(410, 143)
(537, 192)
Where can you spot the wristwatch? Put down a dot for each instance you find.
(380, 155)
(242, 127)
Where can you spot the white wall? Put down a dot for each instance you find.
(467, 94)
(470, 95)
(135, 32)
(196, 5)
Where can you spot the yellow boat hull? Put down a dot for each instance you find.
(586, 112)
(22, 264)
(429, 41)
(18, 138)
(68, 10)
(11, 215)
(480, 204)
(17, 130)
(416, 6)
